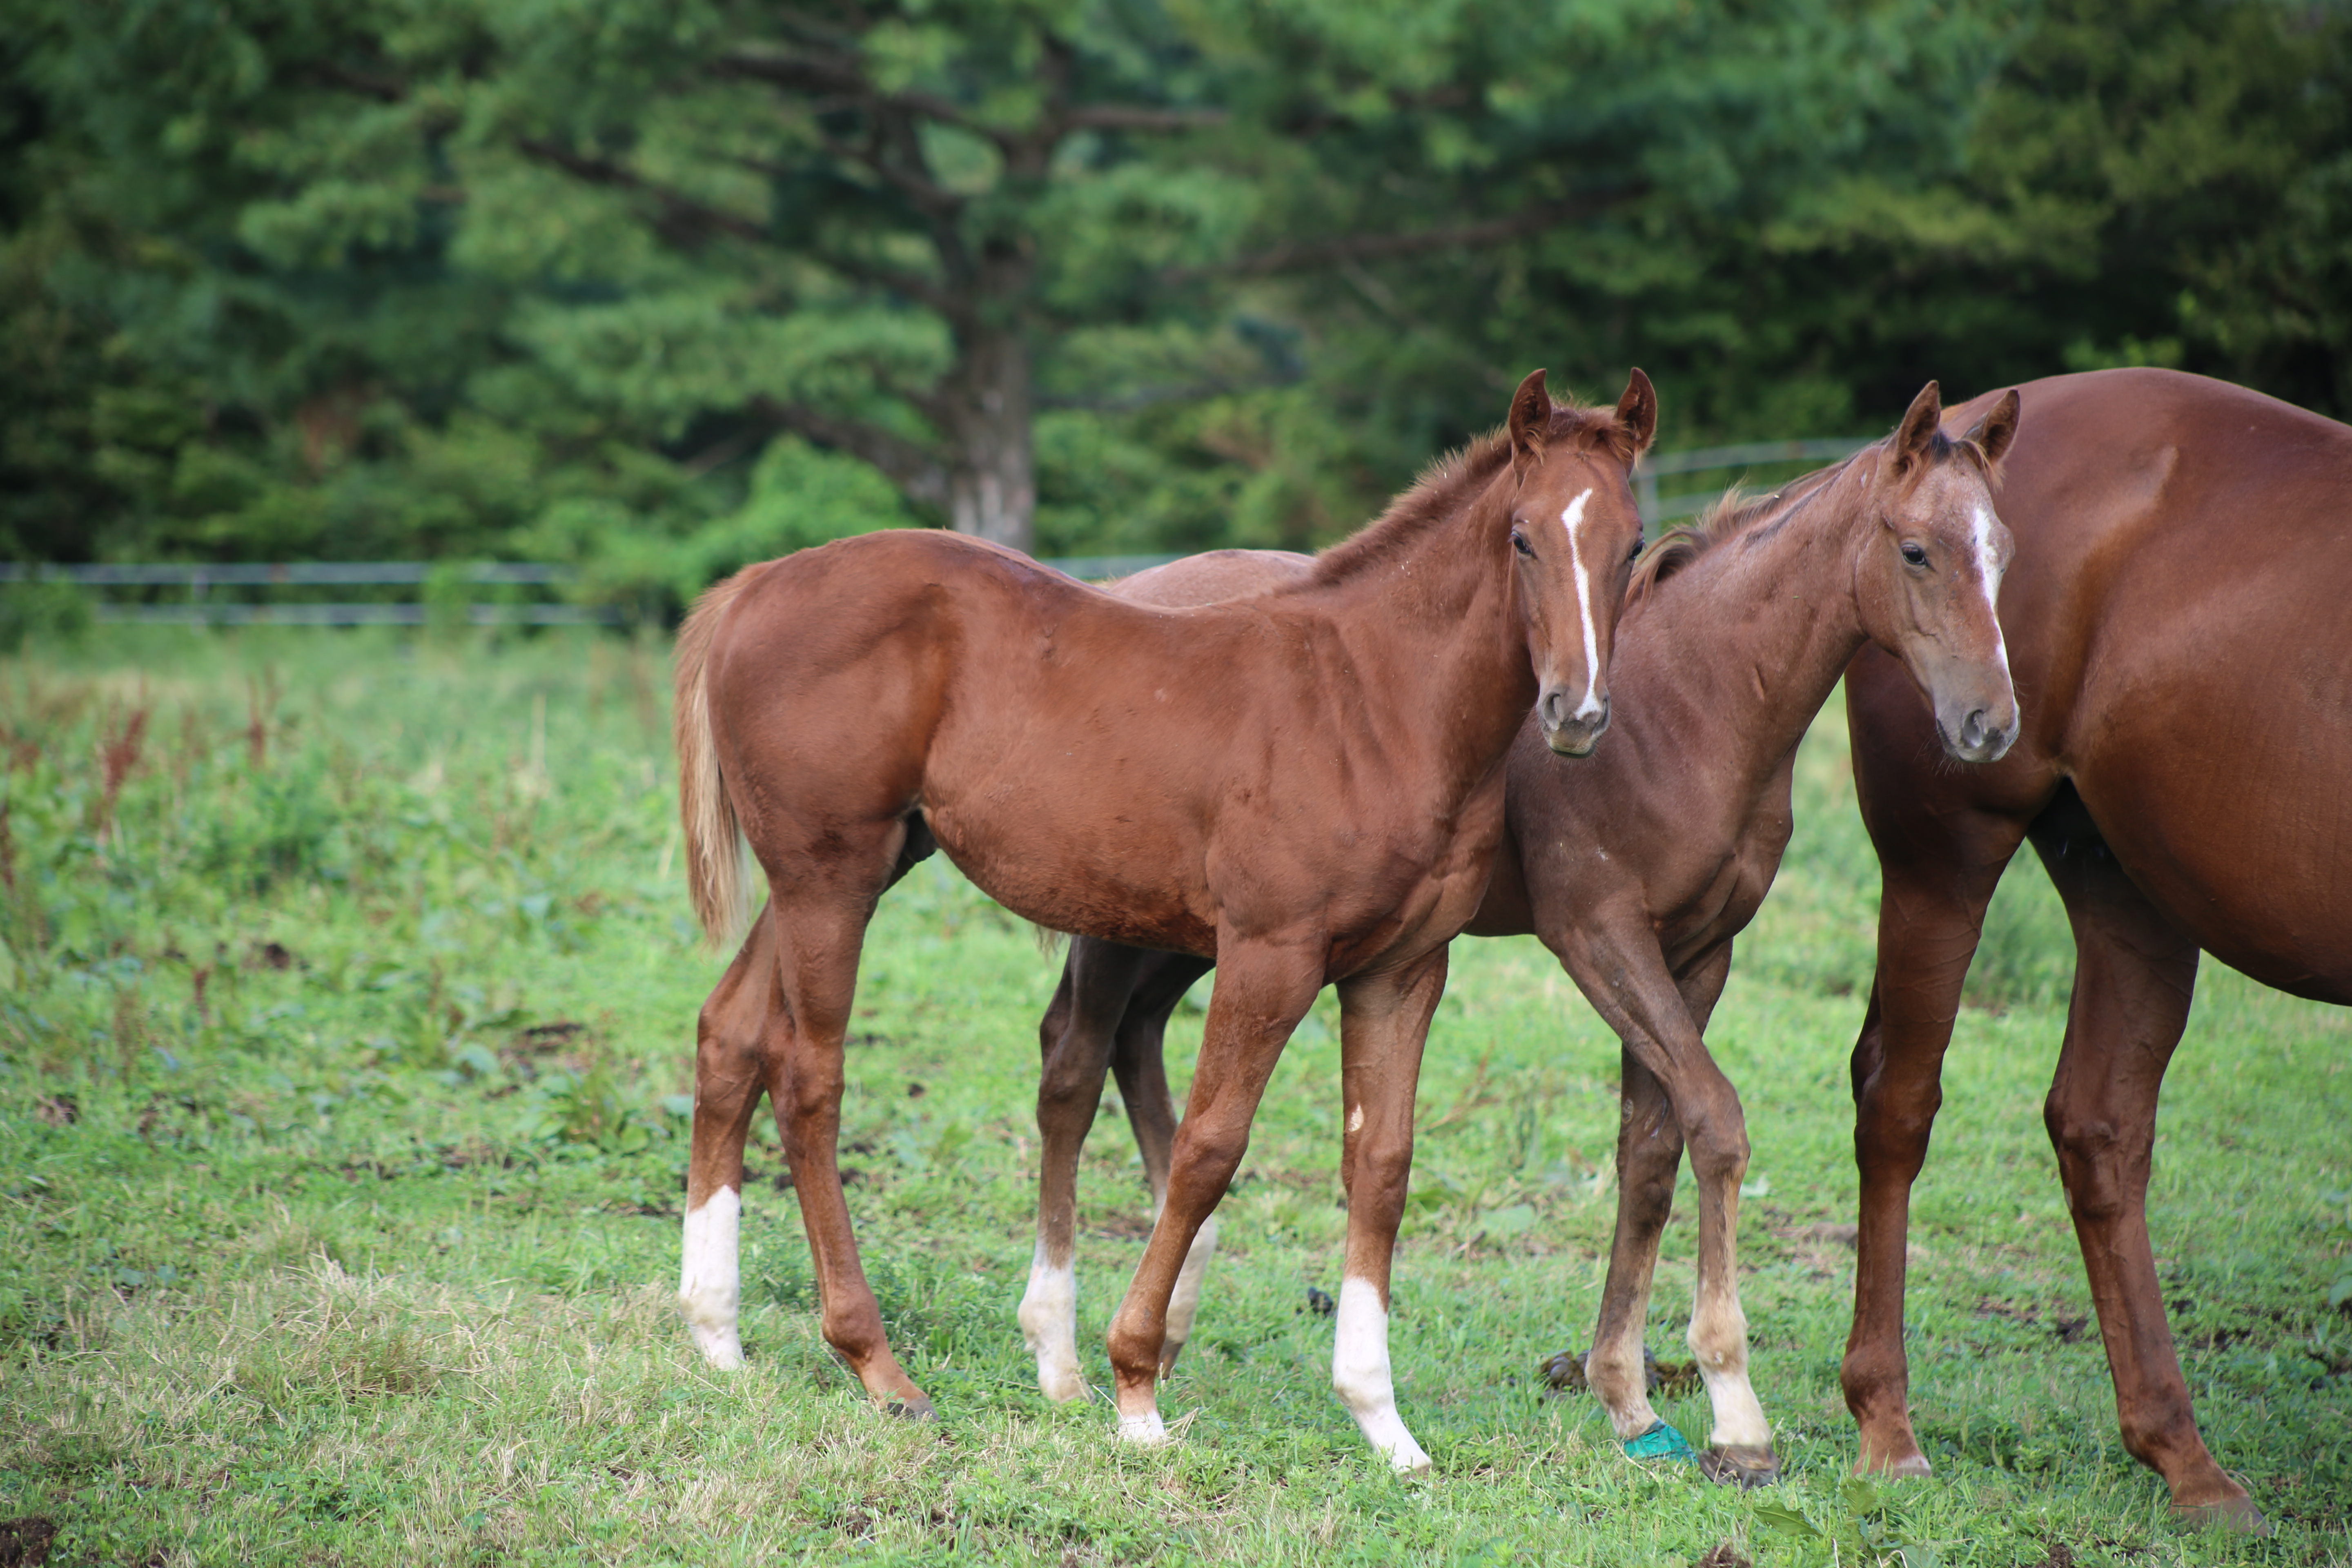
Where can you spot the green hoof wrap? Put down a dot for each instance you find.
(1660, 1442)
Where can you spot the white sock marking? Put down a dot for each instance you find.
(1360, 1371)
(1049, 1326)
(1570, 518)
(708, 1280)
(1739, 1414)
(1146, 1430)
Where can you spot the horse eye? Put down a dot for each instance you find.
(1915, 554)
(1519, 543)
(1634, 554)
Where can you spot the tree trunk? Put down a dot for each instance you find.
(992, 473)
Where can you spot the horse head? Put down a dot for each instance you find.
(1575, 530)
(1928, 579)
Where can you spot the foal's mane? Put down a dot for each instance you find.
(1454, 480)
(1738, 514)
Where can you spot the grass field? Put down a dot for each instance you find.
(346, 1012)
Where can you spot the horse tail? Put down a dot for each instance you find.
(716, 875)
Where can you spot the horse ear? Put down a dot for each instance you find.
(1998, 428)
(1916, 435)
(1530, 419)
(1637, 411)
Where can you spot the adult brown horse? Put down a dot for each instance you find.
(1306, 785)
(1638, 867)
(2181, 572)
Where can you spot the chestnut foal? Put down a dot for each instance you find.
(1306, 785)
(1638, 867)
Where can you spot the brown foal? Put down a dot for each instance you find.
(1306, 786)
(2177, 618)
(1638, 867)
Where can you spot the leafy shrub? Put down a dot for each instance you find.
(281, 828)
(41, 609)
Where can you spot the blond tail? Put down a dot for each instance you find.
(718, 877)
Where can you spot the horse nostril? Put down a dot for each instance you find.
(1972, 729)
(1555, 710)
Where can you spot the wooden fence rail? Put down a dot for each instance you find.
(200, 608)
(1747, 455)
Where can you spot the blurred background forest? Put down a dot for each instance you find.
(654, 289)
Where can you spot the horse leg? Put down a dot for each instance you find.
(1136, 1059)
(1074, 1040)
(1262, 993)
(1718, 1331)
(818, 939)
(2135, 978)
(1659, 1020)
(729, 1076)
(1938, 875)
(1383, 1025)
(1648, 1151)
(1739, 1443)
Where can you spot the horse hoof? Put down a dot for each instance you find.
(1749, 1467)
(1169, 1352)
(918, 1408)
(2238, 1515)
(1659, 1442)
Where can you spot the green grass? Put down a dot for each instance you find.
(340, 1157)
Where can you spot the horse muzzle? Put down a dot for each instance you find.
(1572, 729)
(1980, 734)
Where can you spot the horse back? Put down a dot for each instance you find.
(1094, 764)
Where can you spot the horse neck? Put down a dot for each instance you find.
(1433, 627)
(1753, 636)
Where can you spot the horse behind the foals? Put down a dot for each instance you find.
(1307, 786)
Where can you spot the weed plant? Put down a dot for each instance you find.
(347, 996)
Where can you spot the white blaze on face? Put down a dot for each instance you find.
(708, 1284)
(1989, 573)
(1360, 1371)
(1572, 517)
(1049, 1325)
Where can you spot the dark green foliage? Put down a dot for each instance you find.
(50, 610)
(659, 289)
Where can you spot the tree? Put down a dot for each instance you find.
(662, 287)
(886, 229)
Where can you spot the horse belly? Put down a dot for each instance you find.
(1088, 866)
(2218, 768)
